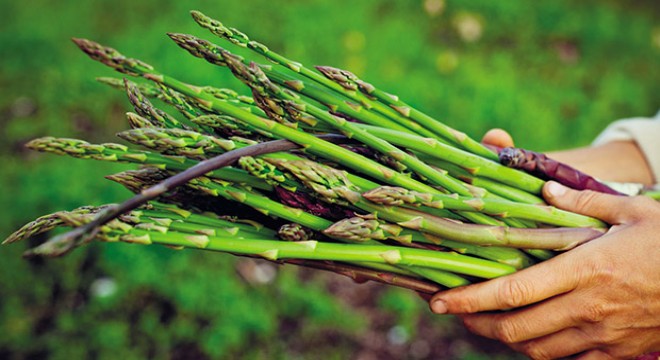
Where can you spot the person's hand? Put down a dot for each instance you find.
(600, 300)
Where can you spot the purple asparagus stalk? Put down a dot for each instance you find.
(546, 168)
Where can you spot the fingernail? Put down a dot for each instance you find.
(439, 307)
(556, 189)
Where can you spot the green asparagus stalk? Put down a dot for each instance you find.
(363, 228)
(116, 152)
(155, 222)
(164, 211)
(181, 142)
(395, 196)
(314, 250)
(348, 79)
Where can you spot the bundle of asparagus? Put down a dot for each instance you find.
(318, 169)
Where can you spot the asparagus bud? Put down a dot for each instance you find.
(145, 108)
(295, 232)
(178, 142)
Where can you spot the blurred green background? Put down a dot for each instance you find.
(552, 72)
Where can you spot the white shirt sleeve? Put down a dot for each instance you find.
(644, 131)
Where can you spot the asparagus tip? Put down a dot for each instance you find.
(112, 57)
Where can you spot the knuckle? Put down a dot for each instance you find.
(623, 352)
(599, 269)
(514, 293)
(535, 351)
(594, 313)
(507, 331)
(607, 336)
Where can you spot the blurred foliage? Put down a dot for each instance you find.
(552, 72)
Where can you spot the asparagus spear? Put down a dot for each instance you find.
(394, 196)
(156, 209)
(159, 221)
(117, 152)
(550, 169)
(349, 80)
(363, 228)
(43, 224)
(186, 143)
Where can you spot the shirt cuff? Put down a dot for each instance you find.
(644, 131)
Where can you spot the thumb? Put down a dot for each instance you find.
(587, 202)
(497, 137)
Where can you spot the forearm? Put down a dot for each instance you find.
(620, 161)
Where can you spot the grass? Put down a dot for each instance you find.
(553, 73)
